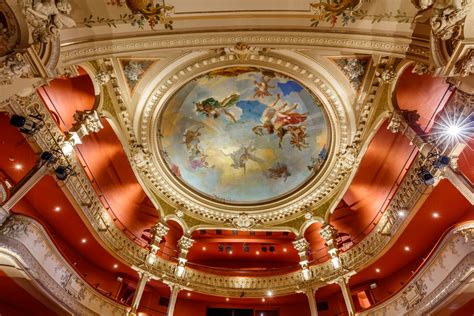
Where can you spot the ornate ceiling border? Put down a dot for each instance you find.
(76, 52)
(312, 195)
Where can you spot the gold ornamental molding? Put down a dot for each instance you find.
(363, 43)
(154, 173)
(89, 207)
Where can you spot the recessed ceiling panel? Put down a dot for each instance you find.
(243, 135)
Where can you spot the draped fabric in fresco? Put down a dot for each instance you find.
(243, 135)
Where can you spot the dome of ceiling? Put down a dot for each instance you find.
(242, 135)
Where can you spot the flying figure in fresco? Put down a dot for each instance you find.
(282, 119)
(198, 158)
(262, 87)
(280, 171)
(242, 156)
(214, 108)
(191, 137)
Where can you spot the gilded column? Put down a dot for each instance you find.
(144, 277)
(175, 288)
(310, 294)
(346, 293)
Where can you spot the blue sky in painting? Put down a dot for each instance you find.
(289, 87)
(252, 110)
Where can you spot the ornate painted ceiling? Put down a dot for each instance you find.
(231, 148)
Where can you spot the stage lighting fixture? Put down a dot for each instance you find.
(47, 156)
(246, 248)
(264, 249)
(441, 162)
(426, 177)
(271, 248)
(220, 248)
(228, 248)
(27, 125)
(61, 173)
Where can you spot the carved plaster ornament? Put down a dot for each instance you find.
(244, 222)
(354, 68)
(89, 121)
(179, 213)
(102, 77)
(421, 69)
(308, 215)
(348, 157)
(446, 16)
(395, 122)
(388, 75)
(465, 65)
(47, 17)
(15, 66)
(336, 7)
(242, 51)
(139, 155)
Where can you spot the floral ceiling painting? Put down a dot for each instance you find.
(243, 135)
(134, 70)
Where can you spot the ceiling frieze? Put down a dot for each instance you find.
(77, 52)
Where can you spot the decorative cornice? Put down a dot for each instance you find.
(446, 269)
(361, 43)
(26, 241)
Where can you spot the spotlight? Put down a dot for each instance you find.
(228, 248)
(402, 213)
(26, 125)
(441, 162)
(271, 248)
(264, 249)
(425, 176)
(246, 248)
(220, 248)
(61, 173)
(47, 156)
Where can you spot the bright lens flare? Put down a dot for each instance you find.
(453, 128)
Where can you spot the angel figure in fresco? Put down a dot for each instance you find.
(197, 157)
(280, 171)
(282, 119)
(214, 108)
(262, 87)
(191, 137)
(242, 156)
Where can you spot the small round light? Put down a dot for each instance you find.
(284, 249)
(227, 299)
(18, 166)
(263, 299)
(377, 270)
(57, 208)
(269, 293)
(402, 213)
(204, 248)
(230, 252)
(435, 215)
(189, 294)
(257, 253)
(83, 240)
(407, 248)
(115, 266)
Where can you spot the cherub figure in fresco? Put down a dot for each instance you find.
(242, 156)
(282, 119)
(280, 171)
(262, 87)
(214, 108)
(191, 137)
(197, 157)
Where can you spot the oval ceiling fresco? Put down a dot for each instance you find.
(243, 135)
